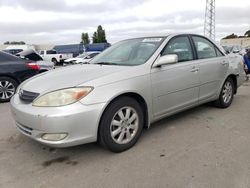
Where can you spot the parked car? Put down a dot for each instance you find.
(13, 71)
(15, 49)
(83, 58)
(236, 49)
(127, 87)
(53, 56)
(33, 56)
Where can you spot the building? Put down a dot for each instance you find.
(243, 42)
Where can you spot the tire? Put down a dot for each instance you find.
(124, 118)
(8, 88)
(54, 61)
(226, 94)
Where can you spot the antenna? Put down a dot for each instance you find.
(209, 25)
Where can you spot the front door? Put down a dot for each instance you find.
(175, 86)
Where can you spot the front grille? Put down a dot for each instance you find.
(27, 96)
(24, 129)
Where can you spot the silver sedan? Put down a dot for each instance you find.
(127, 87)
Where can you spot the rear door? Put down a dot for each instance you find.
(213, 67)
(175, 86)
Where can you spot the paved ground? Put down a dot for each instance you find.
(204, 147)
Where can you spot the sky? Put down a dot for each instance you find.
(63, 21)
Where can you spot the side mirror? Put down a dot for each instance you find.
(166, 59)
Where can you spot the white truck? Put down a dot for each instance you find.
(53, 56)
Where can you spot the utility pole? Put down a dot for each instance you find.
(209, 25)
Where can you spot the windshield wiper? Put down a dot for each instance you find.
(106, 63)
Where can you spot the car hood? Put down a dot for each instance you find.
(69, 77)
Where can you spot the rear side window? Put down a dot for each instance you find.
(4, 57)
(205, 49)
(181, 47)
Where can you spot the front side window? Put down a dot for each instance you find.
(205, 49)
(181, 47)
(129, 52)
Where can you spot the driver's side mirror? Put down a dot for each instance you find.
(166, 59)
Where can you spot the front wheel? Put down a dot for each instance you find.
(53, 60)
(226, 94)
(121, 124)
(7, 88)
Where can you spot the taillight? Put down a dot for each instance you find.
(33, 66)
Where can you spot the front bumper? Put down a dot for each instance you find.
(78, 121)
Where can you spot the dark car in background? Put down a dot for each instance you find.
(13, 71)
(33, 56)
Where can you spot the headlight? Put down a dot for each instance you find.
(62, 97)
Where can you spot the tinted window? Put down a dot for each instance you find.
(7, 57)
(51, 52)
(181, 47)
(205, 49)
(42, 52)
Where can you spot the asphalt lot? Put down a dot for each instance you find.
(204, 147)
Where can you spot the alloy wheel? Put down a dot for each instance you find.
(7, 89)
(124, 125)
(227, 92)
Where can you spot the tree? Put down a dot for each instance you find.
(99, 36)
(94, 38)
(232, 36)
(85, 38)
(247, 33)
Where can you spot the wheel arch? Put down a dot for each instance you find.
(10, 76)
(234, 78)
(53, 58)
(135, 96)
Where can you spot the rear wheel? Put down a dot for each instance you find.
(121, 124)
(226, 94)
(7, 88)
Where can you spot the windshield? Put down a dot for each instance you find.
(129, 52)
(81, 55)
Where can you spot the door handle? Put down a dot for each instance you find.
(194, 69)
